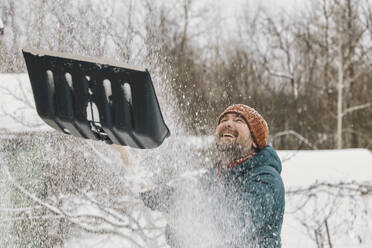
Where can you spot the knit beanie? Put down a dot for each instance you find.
(256, 123)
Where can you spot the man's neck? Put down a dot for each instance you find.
(228, 158)
(225, 161)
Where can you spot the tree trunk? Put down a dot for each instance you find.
(340, 86)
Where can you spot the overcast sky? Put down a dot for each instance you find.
(230, 11)
(231, 7)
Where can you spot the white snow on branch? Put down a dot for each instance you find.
(102, 220)
(33, 217)
(28, 194)
(16, 210)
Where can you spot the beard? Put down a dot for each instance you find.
(232, 150)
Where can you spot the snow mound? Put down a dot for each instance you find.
(304, 168)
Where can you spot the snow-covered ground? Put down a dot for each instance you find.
(304, 168)
(342, 168)
(301, 170)
(321, 185)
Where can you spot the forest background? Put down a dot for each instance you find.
(307, 70)
(305, 66)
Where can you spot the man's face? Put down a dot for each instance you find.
(233, 135)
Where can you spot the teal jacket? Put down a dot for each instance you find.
(248, 202)
(254, 191)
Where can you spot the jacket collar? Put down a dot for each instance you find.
(266, 156)
(234, 163)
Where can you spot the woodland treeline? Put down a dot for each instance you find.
(308, 72)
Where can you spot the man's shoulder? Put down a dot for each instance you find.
(268, 159)
(265, 161)
(268, 168)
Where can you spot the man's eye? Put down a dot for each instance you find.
(239, 120)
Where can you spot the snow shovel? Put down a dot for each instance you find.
(94, 99)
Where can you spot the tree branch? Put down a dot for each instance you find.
(71, 218)
(16, 210)
(16, 97)
(297, 135)
(99, 154)
(355, 108)
(281, 74)
(20, 120)
(35, 217)
(351, 187)
(28, 194)
(25, 96)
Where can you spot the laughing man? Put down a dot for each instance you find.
(246, 179)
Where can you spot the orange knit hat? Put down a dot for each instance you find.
(256, 123)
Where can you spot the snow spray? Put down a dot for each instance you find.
(198, 217)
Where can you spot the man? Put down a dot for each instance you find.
(244, 187)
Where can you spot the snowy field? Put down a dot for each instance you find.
(323, 187)
(306, 169)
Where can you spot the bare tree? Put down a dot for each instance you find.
(329, 211)
(351, 35)
(339, 33)
(62, 193)
(99, 200)
(19, 91)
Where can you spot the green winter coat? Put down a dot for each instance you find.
(247, 200)
(255, 192)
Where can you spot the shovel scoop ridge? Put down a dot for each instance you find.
(96, 99)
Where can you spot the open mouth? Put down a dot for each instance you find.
(228, 134)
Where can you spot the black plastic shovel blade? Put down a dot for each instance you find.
(93, 99)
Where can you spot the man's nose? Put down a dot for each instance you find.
(229, 123)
